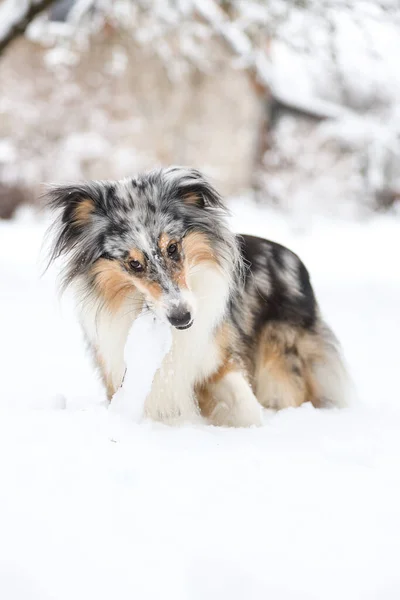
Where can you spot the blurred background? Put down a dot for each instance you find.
(293, 103)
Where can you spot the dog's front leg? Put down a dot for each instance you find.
(229, 401)
(171, 399)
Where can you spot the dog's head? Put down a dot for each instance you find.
(151, 234)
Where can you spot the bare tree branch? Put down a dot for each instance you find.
(14, 24)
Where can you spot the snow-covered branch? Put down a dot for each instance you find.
(256, 61)
(16, 16)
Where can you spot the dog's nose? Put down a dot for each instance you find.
(180, 318)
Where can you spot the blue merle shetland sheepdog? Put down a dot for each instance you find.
(247, 330)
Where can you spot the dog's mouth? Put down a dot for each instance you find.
(183, 327)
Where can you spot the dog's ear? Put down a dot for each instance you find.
(72, 233)
(194, 189)
(76, 203)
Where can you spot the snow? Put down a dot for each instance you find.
(304, 508)
(149, 341)
(213, 14)
(11, 13)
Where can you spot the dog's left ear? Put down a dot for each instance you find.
(74, 205)
(74, 231)
(194, 189)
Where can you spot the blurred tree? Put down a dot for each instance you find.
(16, 16)
(324, 73)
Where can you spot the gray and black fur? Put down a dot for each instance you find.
(154, 201)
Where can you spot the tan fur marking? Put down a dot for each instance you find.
(224, 338)
(225, 341)
(144, 285)
(136, 254)
(179, 277)
(103, 372)
(311, 348)
(206, 399)
(83, 212)
(285, 359)
(112, 282)
(164, 242)
(197, 249)
(178, 270)
(150, 288)
(191, 198)
(277, 385)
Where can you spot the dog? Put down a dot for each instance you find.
(246, 328)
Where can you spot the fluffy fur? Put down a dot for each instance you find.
(247, 330)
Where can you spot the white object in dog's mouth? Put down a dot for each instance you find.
(148, 342)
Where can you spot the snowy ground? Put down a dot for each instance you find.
(306, 507)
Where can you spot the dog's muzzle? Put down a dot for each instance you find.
(180, 318)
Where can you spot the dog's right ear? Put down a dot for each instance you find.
(194, 189)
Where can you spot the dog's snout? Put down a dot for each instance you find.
(180, 317)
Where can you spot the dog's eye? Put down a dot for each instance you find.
(136, 266)
(172, 249)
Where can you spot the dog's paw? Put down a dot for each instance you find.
(237, 414)
(172, 414)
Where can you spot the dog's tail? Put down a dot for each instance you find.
(328, 370)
